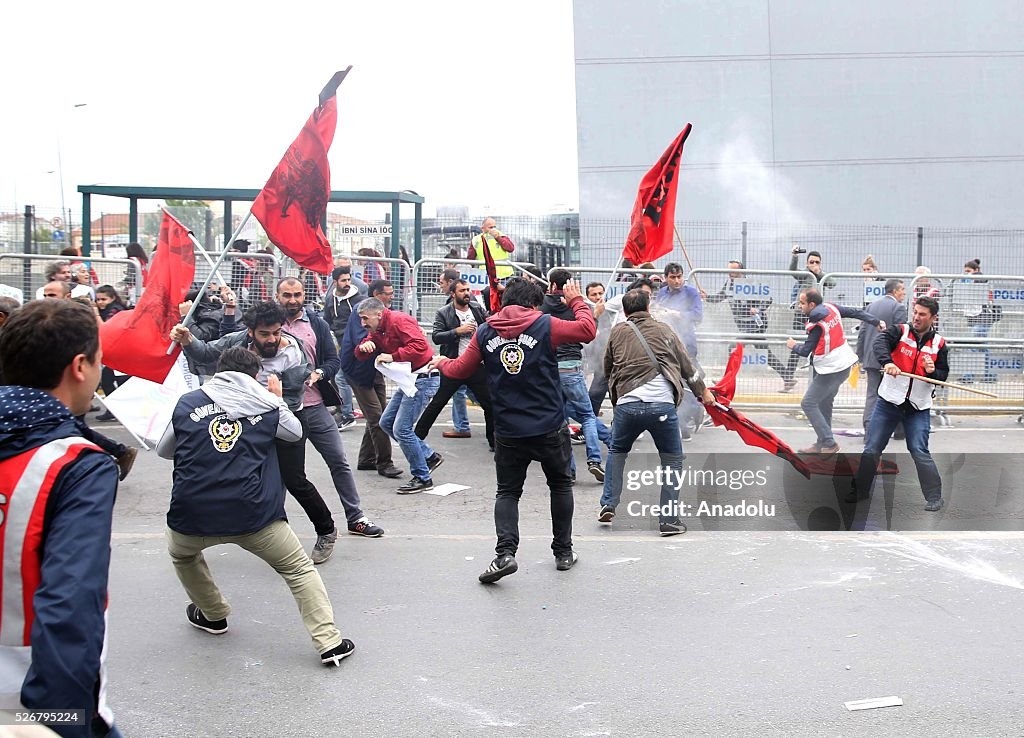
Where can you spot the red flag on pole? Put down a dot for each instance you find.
(293, 203)
(135, 341)
(652, 222)
(494, 296)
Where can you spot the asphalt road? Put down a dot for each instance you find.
(744, 632)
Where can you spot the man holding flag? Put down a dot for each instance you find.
(492, 244)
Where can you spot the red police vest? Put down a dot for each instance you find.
(910, 359)
(832, 354)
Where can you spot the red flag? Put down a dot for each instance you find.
(653, 220)
(293, 203)
(493, 295)
(135, 341)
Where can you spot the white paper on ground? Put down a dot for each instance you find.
(445, 489)
(399, 372)
(873, 702)
(145, 407)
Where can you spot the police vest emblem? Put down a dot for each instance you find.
(225, 433)
(512, 357)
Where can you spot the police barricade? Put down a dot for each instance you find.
(22, 275)
(396, 271)
(427, 271)
(756, 307)
(981, 316)
(251, 276)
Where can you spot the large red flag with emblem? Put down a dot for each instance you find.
(135, 341)
(653, 220)
(292, 205)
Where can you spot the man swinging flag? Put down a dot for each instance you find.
(292, 205)
(652, 223)
(134, 341)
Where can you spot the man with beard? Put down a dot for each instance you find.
(681, 308)
(283, 356)
(339, 301)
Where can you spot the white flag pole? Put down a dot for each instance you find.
(209, 278)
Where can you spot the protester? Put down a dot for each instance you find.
(227, 489)
(395, 336)
(375, 452)
(916, 348)
(980, 314)
(679, 306)
(7, 306)
(58, 499)
(831, 359)
(454, 325)
(647, 366)
(499, 245)
(341, 298)
(517, 346)
(812, 278)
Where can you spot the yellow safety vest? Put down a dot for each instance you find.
(497, 253)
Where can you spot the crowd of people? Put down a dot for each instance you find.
(287, 373)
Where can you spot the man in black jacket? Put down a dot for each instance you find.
(339, 302)
(454, 325)
(892, 311)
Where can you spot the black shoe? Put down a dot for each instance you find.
(365, 528)
(502, 566)
(595, 468)
(564, 562)
(934, 505)
(198, 620)
(671, 529)
(334, 656)
(366, 467)
(415, 485)
(105, 417)
(606, 515)
(390, 471)
(572, 478)
(125, 462)
(434, 460)
(578, 438)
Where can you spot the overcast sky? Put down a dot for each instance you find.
(466, 102)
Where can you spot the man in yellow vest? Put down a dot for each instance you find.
(500, 246)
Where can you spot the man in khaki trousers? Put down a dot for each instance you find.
(227, 489)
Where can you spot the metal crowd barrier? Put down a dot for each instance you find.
(26, 273)
(427, 271)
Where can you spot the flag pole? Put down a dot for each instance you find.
(686, 256)
(209, 278)
(142, 443)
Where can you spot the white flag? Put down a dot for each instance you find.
(145, 407)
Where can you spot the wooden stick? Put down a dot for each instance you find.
(953, 385)
(686, 256)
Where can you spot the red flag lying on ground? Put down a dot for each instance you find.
(292, 205)
(493, 293)
(135, 341)
(754, 435)
(751, 433)
(653, 221)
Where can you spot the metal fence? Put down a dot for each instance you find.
(27, 273)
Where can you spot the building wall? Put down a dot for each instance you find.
(876, 112)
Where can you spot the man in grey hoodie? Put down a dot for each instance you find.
(215, 432)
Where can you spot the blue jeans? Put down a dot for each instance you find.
(917, 426)
(579, 407)
(630, 420)
(460, 416)
(399, 418)
(346, 396)
(818, 400)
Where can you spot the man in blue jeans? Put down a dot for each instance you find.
(645, 394)
(912, 349)
(570, 374)
(396, 336)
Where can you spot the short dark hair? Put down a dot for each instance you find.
(737, 261)
(378, 285)
(813, 296)
(929, 303)
(41, 339)
(239, 359)
(891, 285)
(974, 264)
(338, 271)
(450, 274)
(456, 282)
(635, 301)
(8, 305)
(558, 277)
(592, 284)
(673, 268)
(813, 253)
(523, 292)
(283, 280)
(264, 314)
(641, 282)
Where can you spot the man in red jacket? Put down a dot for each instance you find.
(395, 336)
